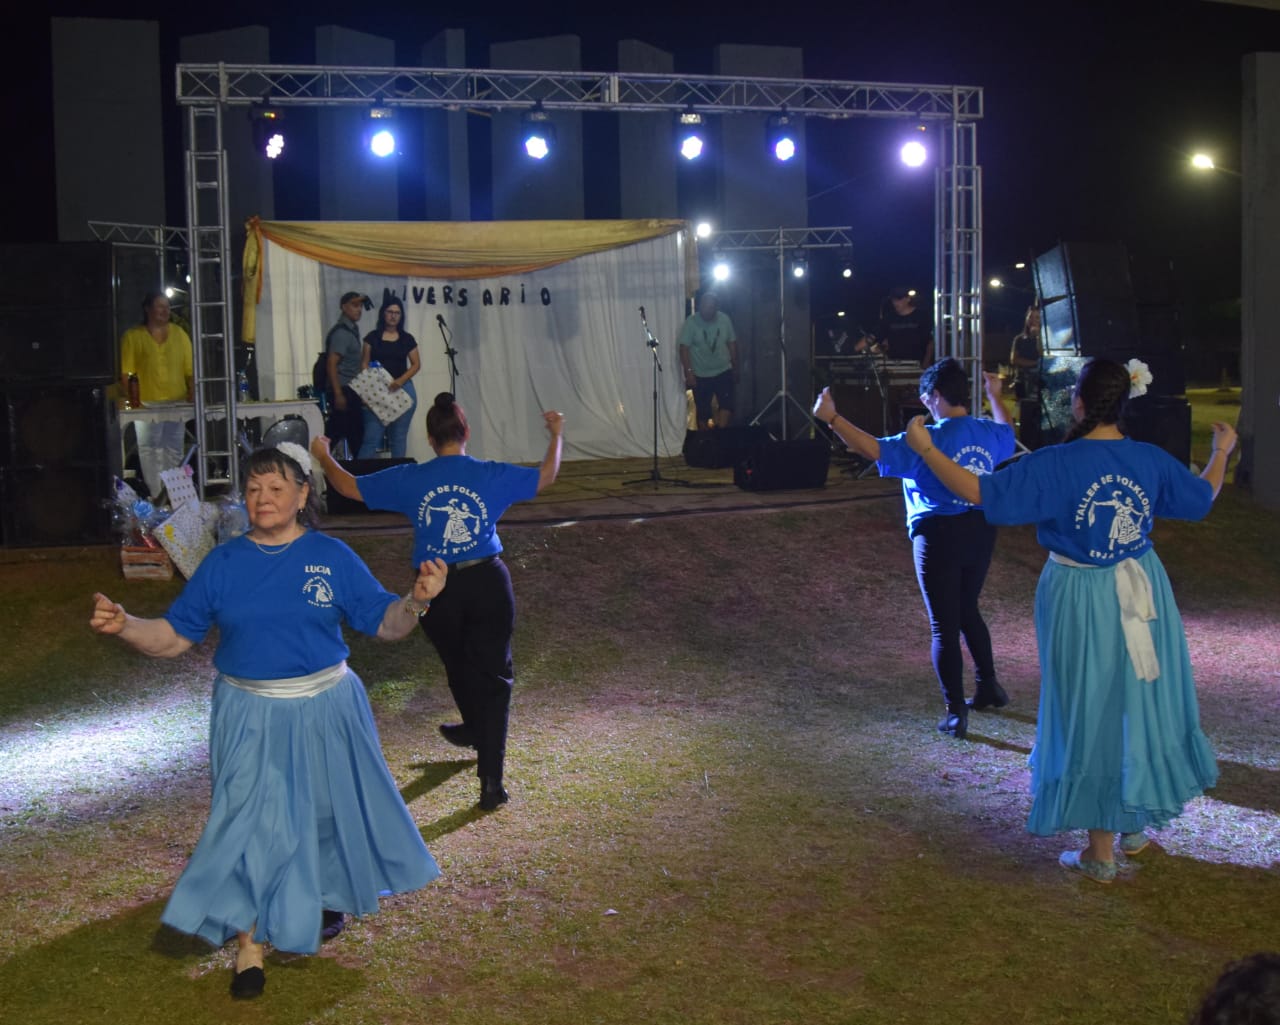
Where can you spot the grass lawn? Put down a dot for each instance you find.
(729, 802)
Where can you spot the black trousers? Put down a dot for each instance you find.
(470, 624)
(346, 423)
(952, 555)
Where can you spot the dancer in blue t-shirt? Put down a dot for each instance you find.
(951, 541)
(306, 822)
(454, 503)
(1118, 740)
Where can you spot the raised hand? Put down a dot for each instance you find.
(431, 579)
(918, 436)
(554, 422)
(319, 447)
(824, 407)
(1224, 437)
(108, 617)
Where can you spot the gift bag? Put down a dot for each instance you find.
(373, 385)
(189, 535)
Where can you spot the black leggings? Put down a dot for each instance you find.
(470, 623)
(953, 554)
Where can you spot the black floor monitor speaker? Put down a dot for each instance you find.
(340, 505)
(785, 465)
(1163, 421)
(721, 448)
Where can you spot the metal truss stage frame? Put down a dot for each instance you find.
(204, 91)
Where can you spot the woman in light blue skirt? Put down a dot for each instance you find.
(305, 819)
(1118, 741)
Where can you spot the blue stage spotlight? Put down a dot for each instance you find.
(380, 136)
(691, 134)
(539, 134)
(782, 136)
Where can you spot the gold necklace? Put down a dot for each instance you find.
(278, 549)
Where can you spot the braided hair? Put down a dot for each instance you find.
(1103, 389)
(446, 421)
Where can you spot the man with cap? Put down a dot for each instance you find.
(342, 346)
(904, 331)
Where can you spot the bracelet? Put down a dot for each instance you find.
(832, 421)
(414, 607)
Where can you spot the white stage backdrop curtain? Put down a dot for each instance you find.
(567, 337)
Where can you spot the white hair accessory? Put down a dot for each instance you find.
(1139, 377)
(298, 454)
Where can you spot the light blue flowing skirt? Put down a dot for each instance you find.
(305, 816)
(1112, 752)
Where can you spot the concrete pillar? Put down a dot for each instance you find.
(108, 147)
(446, 166)
(526, 189)
(646, 142)
(1260, 316)
(354, 184)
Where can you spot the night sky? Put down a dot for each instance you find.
(1091, 109)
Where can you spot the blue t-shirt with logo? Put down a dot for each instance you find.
(1095, 501)
(279, 615)
(454, 502)
(976, 444)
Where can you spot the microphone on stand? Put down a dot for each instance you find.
(440, 320)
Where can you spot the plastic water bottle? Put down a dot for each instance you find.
(242, 386)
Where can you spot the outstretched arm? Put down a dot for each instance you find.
(343, 482)
(857, 440)
(995, 390)
(155, 637)
(953, 476)
(551, 461)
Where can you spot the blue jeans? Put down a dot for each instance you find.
(397, 431)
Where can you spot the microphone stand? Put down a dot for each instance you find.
(655, 477)
(449, 351)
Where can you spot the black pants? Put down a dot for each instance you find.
(953, 554)
(470, 623)
(346, 423)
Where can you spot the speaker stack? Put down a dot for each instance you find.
(57, 358)
(1096, 302)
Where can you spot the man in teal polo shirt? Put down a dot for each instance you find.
(709, 355)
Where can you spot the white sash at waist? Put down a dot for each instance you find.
(1137, 609)
(295, 686)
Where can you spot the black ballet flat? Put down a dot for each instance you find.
(331, 924)
(990, 696)
(458, 734)
(248, 984)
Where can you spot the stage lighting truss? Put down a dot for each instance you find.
(268, 131)
(691, 134)
(380, 133)
(782, 135)
(539, 134)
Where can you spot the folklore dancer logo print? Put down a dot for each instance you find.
(458, 513)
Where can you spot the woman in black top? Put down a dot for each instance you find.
(397, 351)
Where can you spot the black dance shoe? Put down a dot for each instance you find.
(955, 723)
(248, 984)
(331, 923)
(991, 695)
(491, 794)
(458, 734)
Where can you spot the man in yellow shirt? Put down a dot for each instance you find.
(159, 353)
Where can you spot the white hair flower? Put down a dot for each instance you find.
(303, 458)
(1139, 377)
